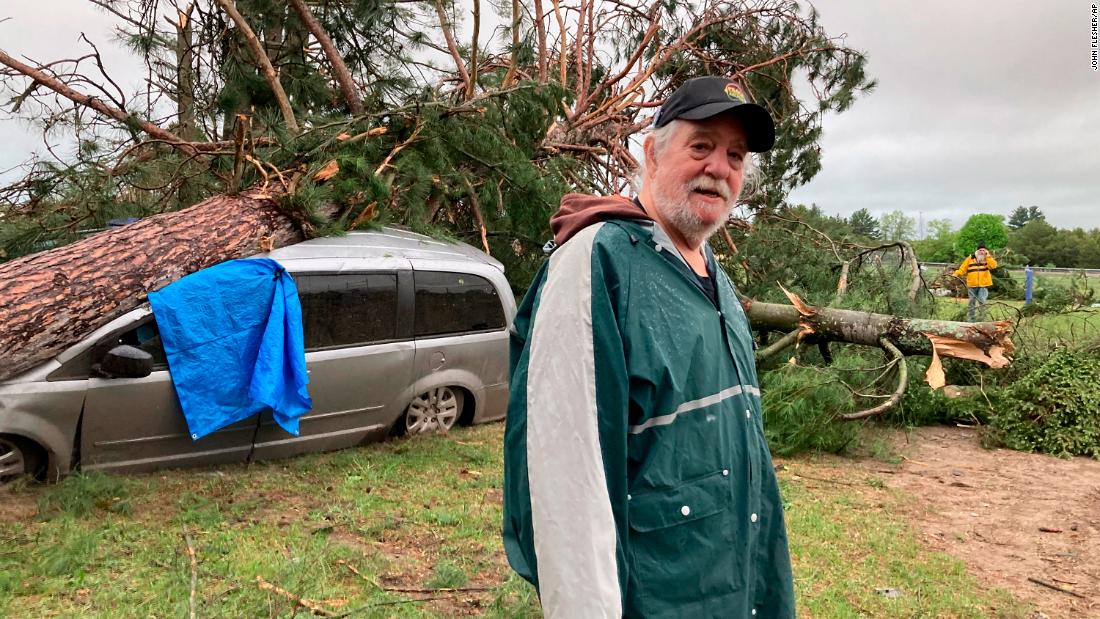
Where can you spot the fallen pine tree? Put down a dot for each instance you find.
(478, 146)
(898, 336)
(52, 299)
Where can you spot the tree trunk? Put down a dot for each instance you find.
(185, 89)
(185, 96)
(52, 299)
(979, 341)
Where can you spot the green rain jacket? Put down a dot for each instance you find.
(637, 481)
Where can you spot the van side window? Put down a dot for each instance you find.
(145, 336)
(455, 303)
(348, 309)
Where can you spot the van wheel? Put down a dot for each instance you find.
(18, 458)
(435, 410)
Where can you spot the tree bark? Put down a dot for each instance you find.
(52, 299)
(909, 335)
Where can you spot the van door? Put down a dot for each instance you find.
(359, 357)
(461, 338)
(136, 424)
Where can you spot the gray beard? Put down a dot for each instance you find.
(679, 215)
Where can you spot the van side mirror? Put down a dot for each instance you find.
(125, 361)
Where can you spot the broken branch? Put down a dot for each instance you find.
(903, 381)
(477, 213)
(306, 603)
(1055, 587)
(987, 342)
(264, 62)
(194, 574)
(80, 98)
(774, 348)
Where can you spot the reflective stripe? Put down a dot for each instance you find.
(686, 407)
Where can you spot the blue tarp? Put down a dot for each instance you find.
(233, 337)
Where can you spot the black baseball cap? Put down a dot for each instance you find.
(703, 97)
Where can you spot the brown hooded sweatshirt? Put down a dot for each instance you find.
(578, 211)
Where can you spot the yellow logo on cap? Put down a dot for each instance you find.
(733, 92)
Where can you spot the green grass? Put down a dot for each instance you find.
(354, 531)
(848, 548)
(1071, 328)
(1059, 280)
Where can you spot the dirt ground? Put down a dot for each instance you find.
(1013, 518)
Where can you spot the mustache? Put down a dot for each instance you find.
(709, 184)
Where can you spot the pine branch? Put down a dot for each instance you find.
(264, 62)
(80, 98)
(339, 68)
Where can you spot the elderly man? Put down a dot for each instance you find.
(637, 479)
(977, 270)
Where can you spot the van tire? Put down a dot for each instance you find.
(20, 458)
(436, 410)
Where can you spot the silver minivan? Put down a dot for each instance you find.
(403, 334)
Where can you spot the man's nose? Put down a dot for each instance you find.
(717, 165)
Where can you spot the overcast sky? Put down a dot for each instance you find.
(981, 106)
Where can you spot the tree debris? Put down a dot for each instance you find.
(1055, 587)
(311, 605)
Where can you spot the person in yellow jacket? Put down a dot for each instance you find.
(976, 268)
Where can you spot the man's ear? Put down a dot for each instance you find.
(649, 149)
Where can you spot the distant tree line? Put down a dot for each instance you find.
(1026, 237)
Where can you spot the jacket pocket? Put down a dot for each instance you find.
(688, 502)
(682, 548)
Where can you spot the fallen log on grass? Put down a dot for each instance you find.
(986, 342)
(898, 336)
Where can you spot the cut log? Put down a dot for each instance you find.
(50, 300)
(986, 342)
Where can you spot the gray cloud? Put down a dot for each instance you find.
(980, 107)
